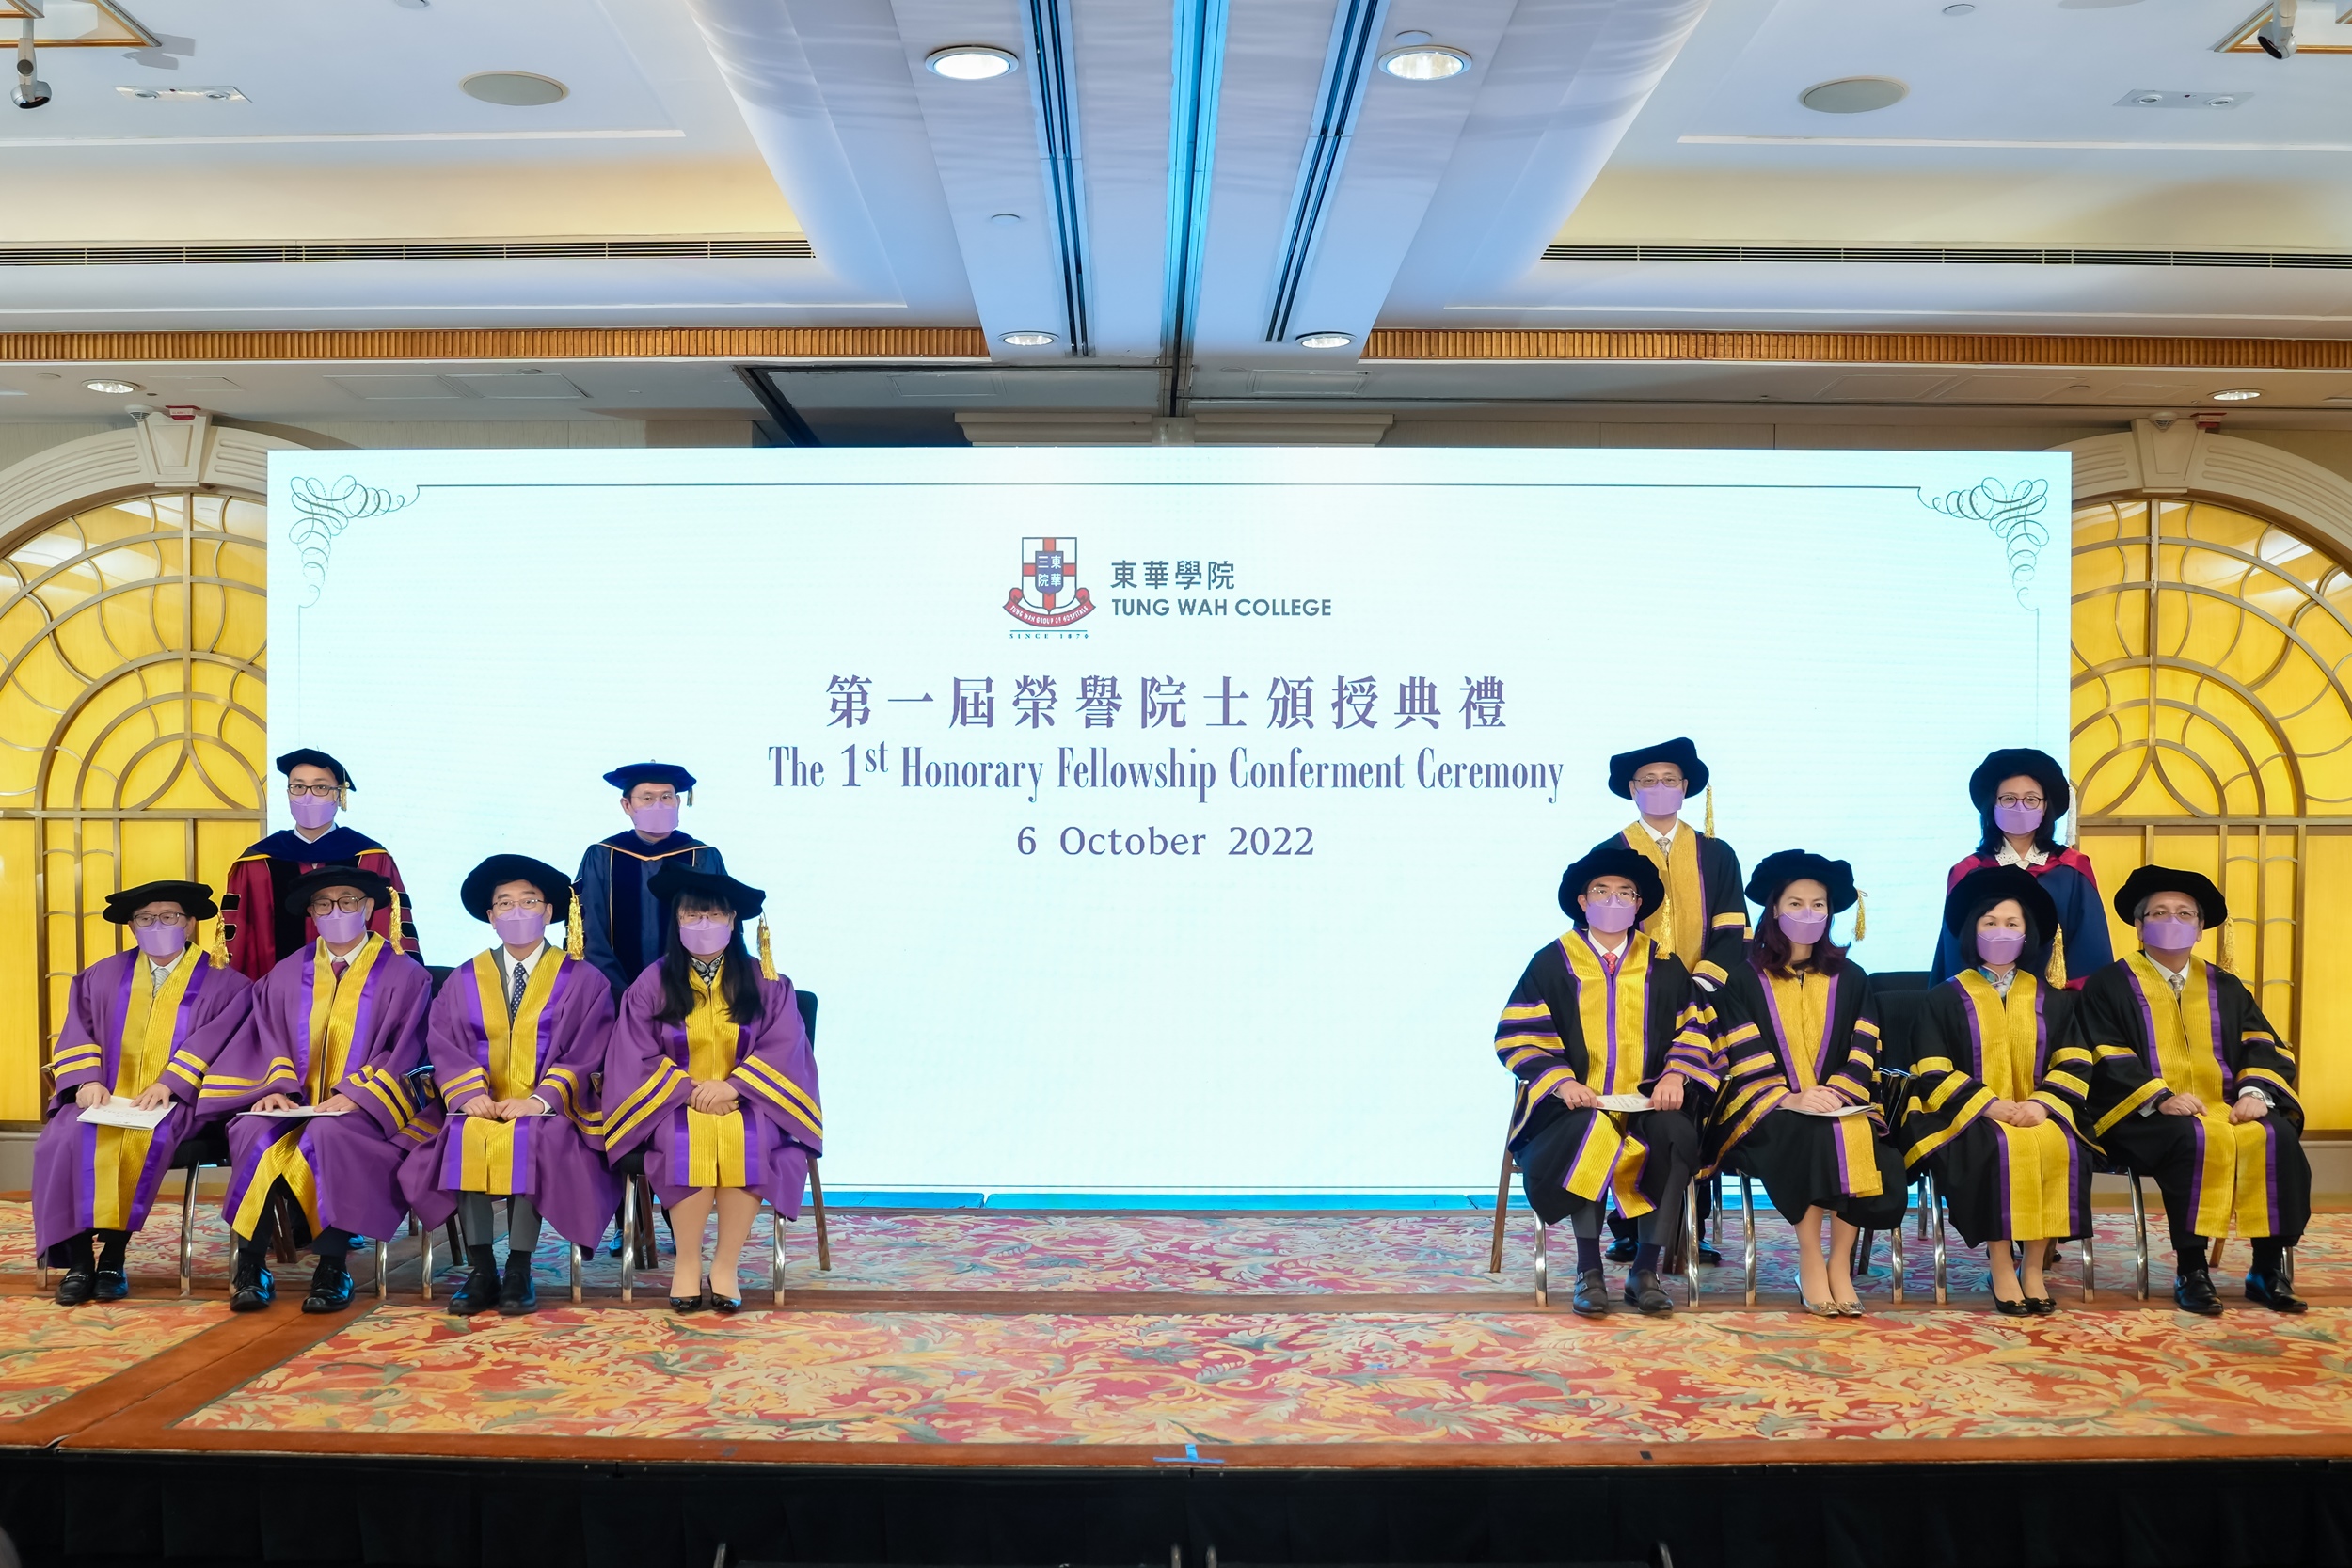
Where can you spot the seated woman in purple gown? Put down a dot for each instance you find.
(141, 1026)
(710, 1073)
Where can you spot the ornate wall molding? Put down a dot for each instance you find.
(491, 343)
(157, 454)
(2186, 461)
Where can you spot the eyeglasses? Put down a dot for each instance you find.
(1609, 898)
(1657, 781)
(2034, 800)
(666, 797)
(325, 791)
(531, 903)
(149, 922)
(705, 920)
(351, 905)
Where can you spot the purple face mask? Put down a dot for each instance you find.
(656, 820)
(2000, 947)
(1803, 926)
(310, 811)
(161, 942)
(2017, 820)
(1658, 799)
(342, 925)
(1611, 918)
(520, 928)
(705, 940)
(2170, 936)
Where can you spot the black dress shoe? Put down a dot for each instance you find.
(1642, 1290)
(2275, 1291)
(253, 1289)
(1709, 1258)
(330, 1287)
(1620, 1252)
(2042, 1307)
(2193, 1292)
(110, 1285)
(1590, 1298)
(478, 1295)
(77, 1287)
(517, 1294)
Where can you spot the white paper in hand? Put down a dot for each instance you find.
(295, 1115)
(1841, 1111)
(120, 1112)
(1625, 1103)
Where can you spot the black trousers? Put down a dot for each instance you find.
(2166, 1150)
(1550, 1148)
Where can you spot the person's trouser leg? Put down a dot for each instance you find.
(522, 1225)
(1673, 1139)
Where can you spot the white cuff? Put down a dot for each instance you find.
(2258, 1093)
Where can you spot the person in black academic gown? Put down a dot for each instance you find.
(626, 924)
(1600, 1013)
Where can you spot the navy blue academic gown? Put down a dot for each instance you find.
(626, 924)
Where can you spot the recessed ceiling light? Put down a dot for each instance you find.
(1412, 37)
(113, 388)
(2236, 394)
(972, 62)
(515, 89)
(1964, 9)
(1425, 62)
(1007, 219)
(1325, 339)
(1853, 95)
(1027, 340)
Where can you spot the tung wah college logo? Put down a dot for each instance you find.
(1048, 594)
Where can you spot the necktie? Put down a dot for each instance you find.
(339, 967)
(1609, 964)
(514, 992)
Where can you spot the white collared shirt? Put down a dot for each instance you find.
(1664, 841)
(2009, 856)
(508, 963)
(159, 973)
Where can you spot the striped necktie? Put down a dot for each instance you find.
(514, 992)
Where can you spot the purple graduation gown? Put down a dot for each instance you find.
(88, 1177)
(767, 1140)
(554, 1048)
(344, 1170)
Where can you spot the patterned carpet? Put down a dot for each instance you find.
(47, 1355)
(1241, 1378)
(1435, 1253)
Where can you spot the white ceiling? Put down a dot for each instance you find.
(1582, 121)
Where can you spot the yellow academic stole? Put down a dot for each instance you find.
(150, 1021)
(2038, 1160)
(2233, 1158)
(1801, 1018)
(335, 1013)
(486, 1155)
(1615, 1020)
(714, 1146)
(1679, 926)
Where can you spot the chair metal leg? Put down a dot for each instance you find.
(1895, 1260)
(1926, 1195)
(1716, 1190)
(629, 1240)
(1502, 1216)
(383, 1270)
(187, 1235)
(648, 1227)
(1691, 1241)
(425, 1263)
(1935, 1201)
(2091, 1265)
(1858, 1260)
(817, 1208)
(2213, 1253)
(1747, 1233)
(1543, 1264)
(2139, 1238)
(775, 1256)
(574, 1253)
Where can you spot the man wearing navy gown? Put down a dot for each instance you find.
(624, 924)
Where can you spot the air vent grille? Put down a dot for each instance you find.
(788, 249)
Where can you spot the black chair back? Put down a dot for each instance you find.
(807, 999)
(1898, 979)
(1899, 1024)
(440, 973)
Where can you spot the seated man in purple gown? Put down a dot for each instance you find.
(142, 1025)
(517, 1038)
(336, 1029)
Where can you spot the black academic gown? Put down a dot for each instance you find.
(626, 924)
(1714, 946)
(1571, 1019)
(1843, 1164)
(2213, 1043)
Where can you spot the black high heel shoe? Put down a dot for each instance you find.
(682, 1305)
(724, 1306)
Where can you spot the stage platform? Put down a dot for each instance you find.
(1092, 1387)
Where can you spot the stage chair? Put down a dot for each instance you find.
(206, 1146)
(1682, 1258)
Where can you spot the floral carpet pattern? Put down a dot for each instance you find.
(48, 1354)
(1250, 1378)
(1442, 1252)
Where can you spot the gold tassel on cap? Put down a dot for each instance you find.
(1711, 810)
(2229, 944)
(1664, 935)
(217, 949)
(767, 954)
(2056, 973)
(393, 936)
(1861, 915)
(575, 939)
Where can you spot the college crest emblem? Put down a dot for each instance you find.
(1049, 595)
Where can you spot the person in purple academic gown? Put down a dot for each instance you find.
(709, 1072)
(517, 1038)
(339, 1026)
(141, 1024)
